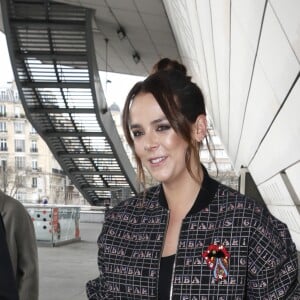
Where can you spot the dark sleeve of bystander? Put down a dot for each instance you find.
(8, 286)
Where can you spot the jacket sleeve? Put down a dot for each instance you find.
(8, 286)
(27, 267)
(94, 289)
(273, 262)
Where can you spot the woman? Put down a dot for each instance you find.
(189, 237)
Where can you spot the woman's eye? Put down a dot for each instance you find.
(137, 133)
(163, 127)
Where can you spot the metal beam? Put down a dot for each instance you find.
(97, 188)
(58, 24)
(62, 110)
(75, 134)
(70, 57)
(55, 85)
(95, 172)
(86, 155)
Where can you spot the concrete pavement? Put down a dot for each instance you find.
(64, 270)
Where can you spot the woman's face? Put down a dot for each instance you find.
(160, 149)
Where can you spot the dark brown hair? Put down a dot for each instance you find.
(181, 101)
(165, 64)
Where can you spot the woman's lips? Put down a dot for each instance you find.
(157, 160)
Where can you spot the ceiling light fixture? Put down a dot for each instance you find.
(136, 57)
(121, 33)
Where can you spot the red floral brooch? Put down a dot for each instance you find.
(216, 257)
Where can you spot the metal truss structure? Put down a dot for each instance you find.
(53, 58)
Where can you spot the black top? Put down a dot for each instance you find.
(165, 277)
(203, 199)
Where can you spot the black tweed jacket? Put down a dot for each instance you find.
(253, 257)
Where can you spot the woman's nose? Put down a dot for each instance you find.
(150, 144)
(149, 147)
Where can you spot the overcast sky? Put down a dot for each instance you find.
(6, 73)
(115, 91)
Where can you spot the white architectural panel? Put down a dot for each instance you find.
(276, 56)
(185, 21)
(280, 148)
(293, 174)
(180, 18)
(249, 14)
(275, 192)
(287, 12)
(245, 27)
(220, 12)
(260, 111)
(205, 22)
(281, 204)
(266, 93)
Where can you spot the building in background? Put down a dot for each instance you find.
(28, 170)
(117, 117)
(215, 159)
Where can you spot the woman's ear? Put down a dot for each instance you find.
(200, 127)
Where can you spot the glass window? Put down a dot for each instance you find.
(3, 127)
(16, 95)
(20, 162)
(20, 180)
(19, 145)
(2, 110)
(19, 127)
(17, 112)
(32, 131)
(3, 95)
(3, 164)
(34, 182)
(21, 196)
(34, 164)
(33, 147)
(3, 145)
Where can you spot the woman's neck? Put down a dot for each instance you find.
(181, 196)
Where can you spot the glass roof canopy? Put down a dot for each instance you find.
(52, 52)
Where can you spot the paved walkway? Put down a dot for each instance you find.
(64, 270)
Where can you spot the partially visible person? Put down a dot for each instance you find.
(189, 237)
(21, 241)
(8, 286)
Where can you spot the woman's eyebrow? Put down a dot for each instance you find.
(156, 121)
(134, 126)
